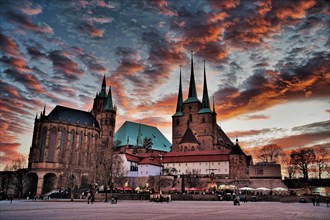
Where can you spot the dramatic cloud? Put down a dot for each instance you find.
(262, 90)
(62, 64)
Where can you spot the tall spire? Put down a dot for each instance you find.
(103, 89)
(192, 95)
(213, 104)
(44, 112)
(179, 103)
(206, 101)
(108, 103)
(192, 87)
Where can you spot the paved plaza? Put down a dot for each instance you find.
(187, 210)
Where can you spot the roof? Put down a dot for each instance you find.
(236, 149)
(179, 157)
(192, 99)
(204, 110)
(196, 156)
(189, 137)
(72, 116)
(130, 133)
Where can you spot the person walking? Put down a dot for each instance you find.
(11, 199)
(317, 201)
(313, 201)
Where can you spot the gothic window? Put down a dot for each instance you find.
(177, 122)
(88, 147)
(189, 108)
(62, 145)
(190, 118)
(72, 135)
(81, 135)
(203, 120)
(52, 142)
(43, 143)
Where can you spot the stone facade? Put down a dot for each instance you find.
(65, 141)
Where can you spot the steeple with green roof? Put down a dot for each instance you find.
(108, 103)
(205, 102)
(103, 89)
(179, 103)
(192, 95)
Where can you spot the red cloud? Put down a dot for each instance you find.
(162, 7)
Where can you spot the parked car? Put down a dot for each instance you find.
(302, 200)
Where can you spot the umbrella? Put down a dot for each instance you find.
(193, 189)
(128, 189)
(246, 188)
(204, 189)
(119, 188)
(279, 189)
(174, 189)
(263, 188)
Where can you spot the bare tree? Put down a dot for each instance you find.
(192, 178)
(108, 165)
(270, 153)
(290, 169)
(19, 163)
(322, 160)
(303, 159)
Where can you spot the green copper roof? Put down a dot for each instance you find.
(204, 110)
(191, 99)
(178, 114)
(108, 103)
(131, 133)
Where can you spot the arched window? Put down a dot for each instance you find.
(192, 148)
(203, 120)
(62, 145)
(72, 134)
(43, 143)
(81, 135)
(52, 142)
(88, 148)
(190, 118)
(177, 122)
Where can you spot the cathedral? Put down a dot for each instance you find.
(65, 141)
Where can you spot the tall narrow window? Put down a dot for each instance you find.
(81, 135)
(62, 145)
(52, 142)
(177, 122)
(43, 143)
(190, 118)
(72, 146)
(88, 148)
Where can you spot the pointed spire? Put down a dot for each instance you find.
(192, 87)
(103, 89)
(44, 112)
(213, 104)
(179, 103)
(206, 101)
(108, 103)
(36, 117)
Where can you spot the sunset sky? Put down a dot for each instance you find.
(267, 64)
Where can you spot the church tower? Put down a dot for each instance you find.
(105, 112)
(194, 126)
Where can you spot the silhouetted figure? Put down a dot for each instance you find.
(11, 199)
(313, 201)
(317, 201)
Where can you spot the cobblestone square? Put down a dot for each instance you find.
(174, 210)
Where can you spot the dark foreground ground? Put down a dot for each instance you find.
(186, 210)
